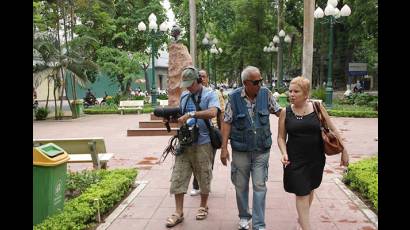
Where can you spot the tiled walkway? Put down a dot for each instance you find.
(331, 208)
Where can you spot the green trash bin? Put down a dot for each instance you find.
(49, 179)
(283, 100)
(79, 107)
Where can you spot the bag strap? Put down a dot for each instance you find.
(319, 113)
(186, 102)
(199, 109)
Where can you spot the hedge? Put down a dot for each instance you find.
(116, 111)
(79, 213)
(343, 113)
(362, 177)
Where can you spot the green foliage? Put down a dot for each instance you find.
(347, 107)
(137, 97)
(79, 213)
(41, 113)
(110, 101)
(121, 68)
(361, 99)
(364, 99)
(77, 182)
(341, 113)
(114, 110)
(101, 111)
(162, 97)
(282, 89)
(374, 104)
(147, 110)
(283, 100)
(319, 93)
(362, 176)
(119, 97)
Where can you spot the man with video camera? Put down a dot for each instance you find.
(215, 121)
(195, 152)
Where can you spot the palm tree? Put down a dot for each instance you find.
(54, 64)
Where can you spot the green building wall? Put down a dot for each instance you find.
(102, 84)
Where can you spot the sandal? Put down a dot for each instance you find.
(174, 219)
(202, 213)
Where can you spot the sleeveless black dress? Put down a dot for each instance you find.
(305, 152)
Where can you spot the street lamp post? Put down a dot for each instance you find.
(270, 49)
(210, 45)
(279, 41)
(215, 51)
(333, 14)
(154, 33)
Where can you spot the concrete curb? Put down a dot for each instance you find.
(108, 221)
(362, 206)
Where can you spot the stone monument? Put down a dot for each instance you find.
(179, 58)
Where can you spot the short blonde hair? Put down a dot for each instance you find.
(303, 83)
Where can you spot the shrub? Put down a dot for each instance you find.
(342, 113)
(362, 177)
(375, 105)
(319, 93)
(117, 98)
(359, 99)
(77, 182)
(162, 97)
(79, 213)
(41, 113)
(110, 100)
(137, 97)
(363, 99)
(282, 89)
(147, 110)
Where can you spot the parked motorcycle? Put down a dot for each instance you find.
(90, 101)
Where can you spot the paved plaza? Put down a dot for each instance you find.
(334, 206)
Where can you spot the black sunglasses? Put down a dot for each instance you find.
(256, 82)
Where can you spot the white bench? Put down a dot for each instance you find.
(131, 104)
(82, 150)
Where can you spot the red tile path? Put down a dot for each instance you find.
(331, 209)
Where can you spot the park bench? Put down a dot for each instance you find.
(81, 150)
(131, 104)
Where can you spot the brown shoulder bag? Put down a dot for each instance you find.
(332, 144)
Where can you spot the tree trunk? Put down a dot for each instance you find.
(48, 91)
(62, 91)
(62, 69)
(308, 30)
(55, 97)
(74, 90)
(192, 31)
(72, 108)
(61, 8)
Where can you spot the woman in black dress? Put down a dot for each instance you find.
(303, 157)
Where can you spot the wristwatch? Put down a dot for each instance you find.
(191, 114)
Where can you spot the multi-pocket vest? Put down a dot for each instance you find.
(250, 133)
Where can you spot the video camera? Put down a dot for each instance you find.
(170, 113)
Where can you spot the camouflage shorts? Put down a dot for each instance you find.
(196, 159)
